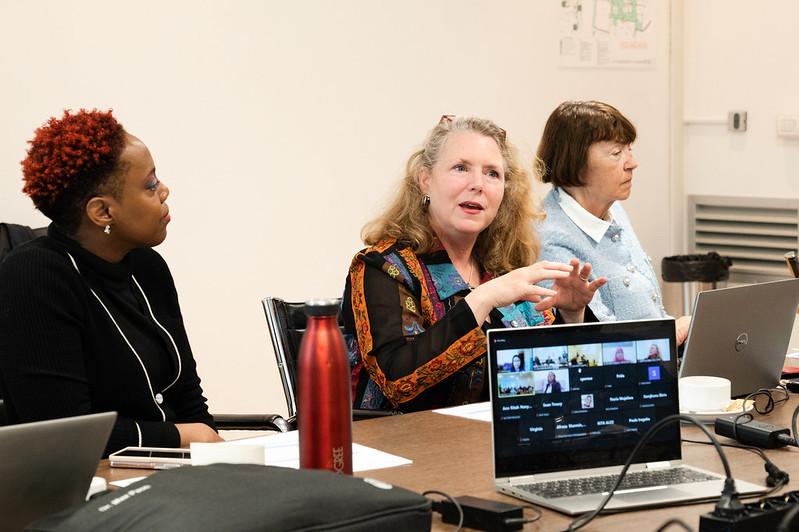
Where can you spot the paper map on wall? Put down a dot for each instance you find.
(607, 33)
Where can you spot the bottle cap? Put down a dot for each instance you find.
(322, 307)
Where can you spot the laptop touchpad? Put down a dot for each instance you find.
(641, 495)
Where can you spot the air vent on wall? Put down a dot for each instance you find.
(754, 232)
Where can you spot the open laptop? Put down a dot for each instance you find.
(742, 334)
(47, 466)
(564, 424)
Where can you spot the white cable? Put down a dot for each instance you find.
(144, 369)
(177, 352)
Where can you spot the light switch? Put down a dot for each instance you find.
(788, 126)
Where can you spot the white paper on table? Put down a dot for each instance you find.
(478, 411)
(283, 450)
(204, 453)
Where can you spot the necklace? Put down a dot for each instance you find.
(469, 280)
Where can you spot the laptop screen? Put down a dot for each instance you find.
(580, 396)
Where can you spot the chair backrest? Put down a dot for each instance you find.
(287, 322)
(11, 236)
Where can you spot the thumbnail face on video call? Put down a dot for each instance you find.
(550, 369)
(572, 397)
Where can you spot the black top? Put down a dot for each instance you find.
(92, 336)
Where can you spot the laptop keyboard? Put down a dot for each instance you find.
(602, 484)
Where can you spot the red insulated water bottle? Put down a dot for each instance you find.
(324, 407)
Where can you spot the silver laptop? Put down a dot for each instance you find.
(47, 466)
(742, 334)
(570, 402)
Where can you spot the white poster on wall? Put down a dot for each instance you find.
(607, 33)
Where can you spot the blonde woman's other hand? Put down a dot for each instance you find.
(573, 292)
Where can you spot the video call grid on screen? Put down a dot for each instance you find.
(578, 395)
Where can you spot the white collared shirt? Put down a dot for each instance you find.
(587, 222)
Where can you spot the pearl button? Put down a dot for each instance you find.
(654, 297)
(630, 268)
(626, 281)
(615, 237)
(514, 323)
(159, 398)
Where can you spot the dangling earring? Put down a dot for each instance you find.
(425, 201)
(107, 229)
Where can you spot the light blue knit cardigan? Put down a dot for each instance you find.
(632, 291)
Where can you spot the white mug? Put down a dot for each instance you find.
(704, 394)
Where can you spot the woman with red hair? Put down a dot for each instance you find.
(91, 319)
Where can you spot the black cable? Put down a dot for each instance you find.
(738, 420)
(451, 499)
(674, 521)
(787, 520)
(793, 422)
(779, 477)
(756, 450)
(781, 483)
(524, 521)
(784, 389)
(539, 513)
(729, 492)
(771, 403)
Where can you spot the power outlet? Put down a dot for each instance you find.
(736, 121)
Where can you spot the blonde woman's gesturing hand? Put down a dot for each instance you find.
(573, 292)
(520, 284)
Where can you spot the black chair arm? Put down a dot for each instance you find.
(273, 422)
(277, 423)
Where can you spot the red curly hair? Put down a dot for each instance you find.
(69, 160)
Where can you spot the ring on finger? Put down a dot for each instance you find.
(584, 279)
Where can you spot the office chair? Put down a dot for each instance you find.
(274, 422)
(287, 322)
(11, 236)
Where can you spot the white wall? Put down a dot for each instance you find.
(281, 127)
(741, 55)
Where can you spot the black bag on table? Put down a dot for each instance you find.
(240, 497)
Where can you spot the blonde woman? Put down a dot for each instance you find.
(452, 256)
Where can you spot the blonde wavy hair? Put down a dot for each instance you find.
(508, 243)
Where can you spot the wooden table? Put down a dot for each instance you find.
(454, 455)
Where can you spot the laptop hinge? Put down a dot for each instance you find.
(658, 465)
(523, 479)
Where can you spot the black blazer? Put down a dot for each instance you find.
(82, 335)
